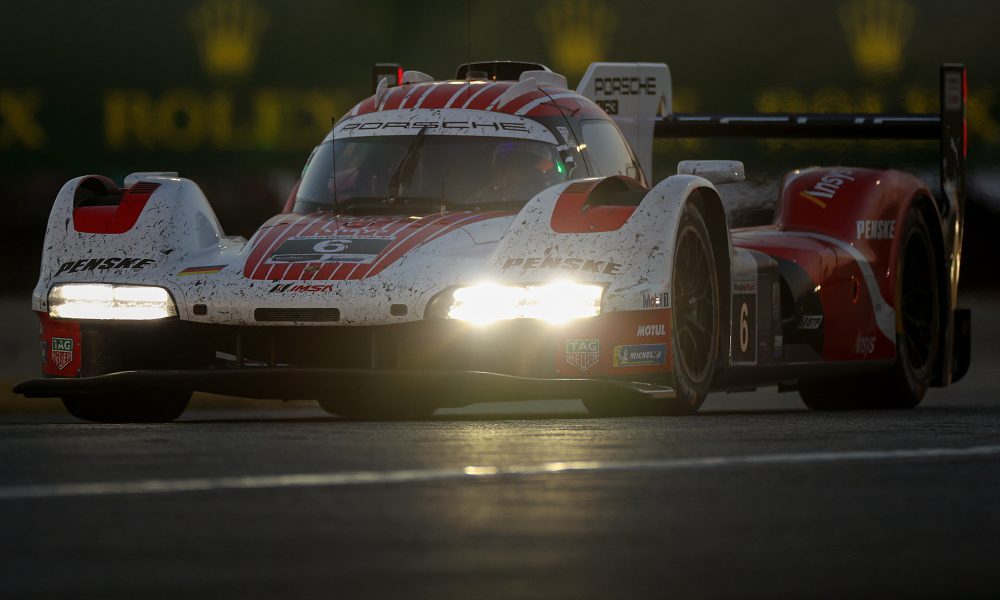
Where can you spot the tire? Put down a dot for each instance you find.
(128, 408)
(694, 296)
(918, 336)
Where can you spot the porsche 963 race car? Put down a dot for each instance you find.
(497, 237)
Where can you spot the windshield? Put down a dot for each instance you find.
(423, 173)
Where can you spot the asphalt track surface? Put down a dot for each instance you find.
(754, 497)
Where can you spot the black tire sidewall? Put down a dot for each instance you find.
(690, 394)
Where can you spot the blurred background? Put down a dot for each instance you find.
(235, 93)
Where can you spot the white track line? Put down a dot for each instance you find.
(359, 478)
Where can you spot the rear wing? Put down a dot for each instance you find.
(638, 97)
(948, 126)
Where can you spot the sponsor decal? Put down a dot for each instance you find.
(640, 355)
(62, 352)
(810, 321)
(656, 300)
(876, 230)
(827, 187)
(651, 330)
(864, 345)
(608, 106)
(744, 323)
(564, 132)
(207, 270)
(583, 354)
(294, 287)
(103, 264)
(625, 86)
(745, 287)
(418, 125)
(338, 249)
(583, 265)
(953, 90)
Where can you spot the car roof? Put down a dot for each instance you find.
(484, 95)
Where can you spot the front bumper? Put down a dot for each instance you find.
(435, 388)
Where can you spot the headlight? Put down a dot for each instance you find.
(552, 302)
(110, 302)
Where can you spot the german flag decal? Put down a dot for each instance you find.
(209, 270)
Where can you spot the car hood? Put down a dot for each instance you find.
(373, 269)
(326, 247)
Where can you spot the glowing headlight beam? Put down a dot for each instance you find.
(554, 303)
(110, 302)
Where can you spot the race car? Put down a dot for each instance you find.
(497, 237)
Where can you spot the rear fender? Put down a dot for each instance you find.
(862, 211)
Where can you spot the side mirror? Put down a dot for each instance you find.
(716, 171)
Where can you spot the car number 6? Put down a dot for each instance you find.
(744, 328)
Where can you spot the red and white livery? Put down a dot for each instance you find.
(496, 236)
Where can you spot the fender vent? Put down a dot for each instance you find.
(144, 187)
(580, 187)
(301, 315)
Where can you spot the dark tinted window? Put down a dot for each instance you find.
(608, 153)
(378, 172)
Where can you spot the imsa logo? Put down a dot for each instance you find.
(583, 354)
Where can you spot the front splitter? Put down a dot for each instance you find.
(440, 388)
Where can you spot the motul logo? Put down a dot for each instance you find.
(651, 330)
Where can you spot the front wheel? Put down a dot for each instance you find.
(694, 296)
(160, 407)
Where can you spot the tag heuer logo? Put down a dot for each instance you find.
(583, 354)
(62, 352)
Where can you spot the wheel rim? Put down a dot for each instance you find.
(694, 309)
(918, 303)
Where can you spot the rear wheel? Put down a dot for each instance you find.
(918, 325)
(128, 408)
(694, 297)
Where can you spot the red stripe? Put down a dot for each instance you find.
(484, 99)
(395, 97)
(416, 91)
(264, 241)
(440, 96)
(278, 271)
(403, 236)
(515, 104)
(367, 106)
(344, 270)
(296, 270)
(261, 269)
(274, 271)
(423, 236)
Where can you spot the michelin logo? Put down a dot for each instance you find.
(640, 355)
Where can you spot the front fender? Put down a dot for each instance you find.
(634, 259)
(174, 224)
